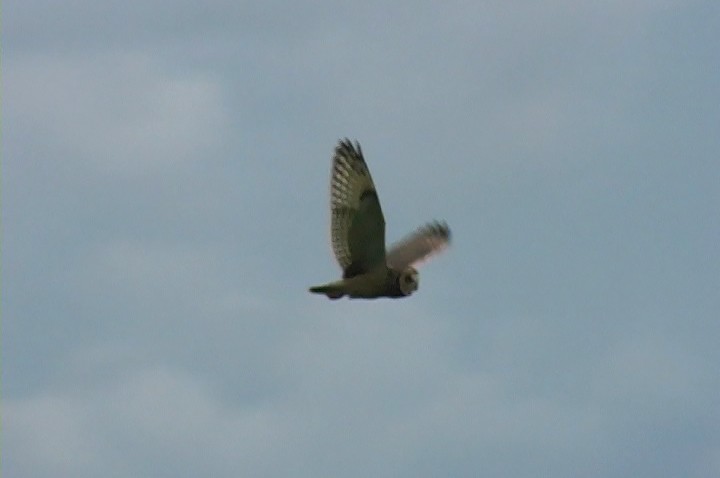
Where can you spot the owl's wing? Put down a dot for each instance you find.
(419, 245)
(357, 222)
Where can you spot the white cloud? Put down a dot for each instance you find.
(350, 380)
(49, 438)
(117, 113)
(137, 422)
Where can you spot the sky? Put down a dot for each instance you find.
(165, 198)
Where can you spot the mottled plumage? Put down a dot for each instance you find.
(358, 235)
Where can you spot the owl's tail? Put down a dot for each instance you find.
(332, 290)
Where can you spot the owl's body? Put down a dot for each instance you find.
(358, 236)
(380, 282)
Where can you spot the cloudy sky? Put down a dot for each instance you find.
(165, 207)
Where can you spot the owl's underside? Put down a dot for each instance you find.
(358, 236)
(370, 285)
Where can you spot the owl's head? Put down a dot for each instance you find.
(408, 281)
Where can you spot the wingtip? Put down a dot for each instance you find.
(346, 145)
(440, 228)
(446, 229)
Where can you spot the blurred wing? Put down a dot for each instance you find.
(421, 244)
(357, 223)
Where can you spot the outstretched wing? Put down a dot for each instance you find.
(421, 244)
(357, 223)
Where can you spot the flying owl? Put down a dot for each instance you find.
(358, 236)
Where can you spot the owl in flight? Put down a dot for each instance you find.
(358, 236)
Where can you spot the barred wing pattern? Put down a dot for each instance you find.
(418, 246)
(357, 223)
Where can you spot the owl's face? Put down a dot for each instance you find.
(408, 280)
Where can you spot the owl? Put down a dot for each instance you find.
(358, 236)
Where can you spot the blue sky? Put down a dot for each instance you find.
(165, 207)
